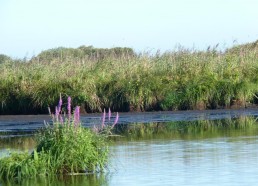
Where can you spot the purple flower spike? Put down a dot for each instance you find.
(56, 113)
(116, 120)
(49, 111)
(61, 120)
(69, 107)
(76, 116)
(109, 114)
(103, 119)
(60, 104)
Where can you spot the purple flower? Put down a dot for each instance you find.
(56, 113)
(61, 119)
(60, 104)
(103, 118)
(76, 116)
(69, 107)
(116, 120)
(49, 111)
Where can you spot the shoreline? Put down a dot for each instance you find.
(41, 117)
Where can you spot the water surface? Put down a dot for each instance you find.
(187, 152)
(31, 123)
(216, 161)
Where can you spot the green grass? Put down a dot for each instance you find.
(125, 81)
(60, 150)
(64, 148)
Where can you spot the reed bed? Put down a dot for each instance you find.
(125, 81)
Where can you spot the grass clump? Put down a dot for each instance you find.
(62, 148)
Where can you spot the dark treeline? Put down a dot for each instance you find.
(123, 80)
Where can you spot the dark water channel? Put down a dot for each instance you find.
(165, 148)
(27, 124)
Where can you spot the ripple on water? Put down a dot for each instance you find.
(220, 161)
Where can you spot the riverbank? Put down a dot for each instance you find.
(28, 124)
(125, 81)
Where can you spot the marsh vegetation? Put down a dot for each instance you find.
(125, 81)
(65, 147)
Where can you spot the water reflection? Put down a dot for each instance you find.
(20, 143)
(199, 129)
(31, 123)
(85, 180)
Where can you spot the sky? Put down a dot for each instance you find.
(28, 27)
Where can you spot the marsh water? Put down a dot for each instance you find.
(165, 148)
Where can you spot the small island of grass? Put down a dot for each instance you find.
(64, 147)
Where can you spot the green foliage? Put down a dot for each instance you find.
(61, 149)
(11, 166)
(73, 149)
(124, 81)
(4, 58)
(83, 52)
(61, 180)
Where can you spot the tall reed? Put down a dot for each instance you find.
(175, 80)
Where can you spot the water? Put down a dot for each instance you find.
(213, 161)
(28, 124)
(218, 152)
(217, 161)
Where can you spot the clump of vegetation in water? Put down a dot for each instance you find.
(64, 148)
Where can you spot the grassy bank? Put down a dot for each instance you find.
(124, 81)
